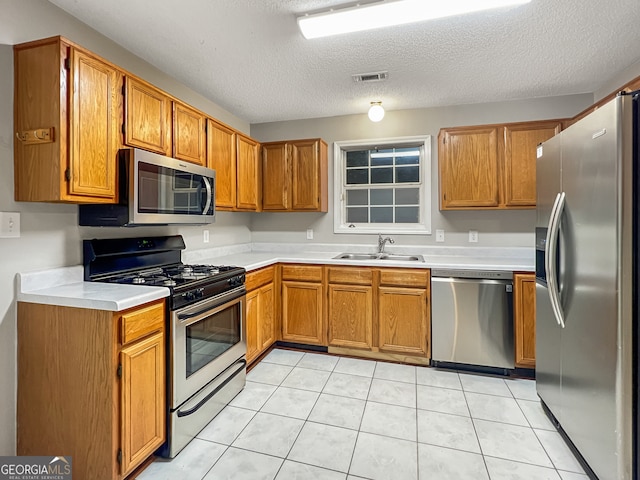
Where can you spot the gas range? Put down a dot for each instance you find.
(205, 330)
(155, 261)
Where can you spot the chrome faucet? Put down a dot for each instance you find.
(382, 242)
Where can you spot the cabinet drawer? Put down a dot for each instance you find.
(259, 277)
(303, 273)
(404, 277)
(351, 275)
(140, 322)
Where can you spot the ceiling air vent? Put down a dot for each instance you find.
(370, 77)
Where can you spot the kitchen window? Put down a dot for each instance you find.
(383, 186)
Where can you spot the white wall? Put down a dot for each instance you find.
(503, 228)
(50, 233)
(617, 81)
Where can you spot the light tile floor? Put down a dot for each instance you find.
(309, 416)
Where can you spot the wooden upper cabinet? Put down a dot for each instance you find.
(276, 174)
(147, 117)
(521, 141)
(248, 181)
(189, 141)
(294, 176)
(94, 93)
(221, 156)
(309, 175)
(60, 89)
(524, 318)
(491, 166)
(469, 161)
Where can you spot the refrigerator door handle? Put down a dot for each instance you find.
(551, 254)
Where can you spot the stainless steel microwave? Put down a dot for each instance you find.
(156, 190)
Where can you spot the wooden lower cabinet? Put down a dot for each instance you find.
(261, 326)
(379, 310)
(91, 385)
(302, 304)
(403, 320)
(142, 414)
(524, 317)
(351, 316)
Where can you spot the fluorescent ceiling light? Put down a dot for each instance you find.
(390, 12)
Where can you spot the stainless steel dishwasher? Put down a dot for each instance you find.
(472, 318)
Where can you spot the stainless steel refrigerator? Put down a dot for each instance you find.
(587, 285)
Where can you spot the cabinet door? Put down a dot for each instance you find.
(302, 313)
(251, 322)
(221, 156)
(260, 321)
(403, 320)
(524, 315)
(147, 117)
(520, 160)
(306, 175)
(469, 164)
(276, 177)
(248, 174)
(142, 407)
(188, 134)
(350, 316)
(266, 318)
(93, 125)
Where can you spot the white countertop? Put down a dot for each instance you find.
(262, 255)
(65, 286)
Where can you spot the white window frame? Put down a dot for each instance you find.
(339, 192)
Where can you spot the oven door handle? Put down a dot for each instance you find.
(205, 312)
(211, 311)
(242, 363)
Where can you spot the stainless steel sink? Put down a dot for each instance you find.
(358, 256)
(380, 256)
(405, 258)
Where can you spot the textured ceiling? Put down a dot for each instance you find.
(249, 57)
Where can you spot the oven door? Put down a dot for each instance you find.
(207, 338)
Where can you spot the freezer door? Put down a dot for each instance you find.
(548, 353)
(588, 287)
(548, 361)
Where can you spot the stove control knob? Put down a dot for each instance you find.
(199, 293)
(189, 296)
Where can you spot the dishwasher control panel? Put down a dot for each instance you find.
(481, 274)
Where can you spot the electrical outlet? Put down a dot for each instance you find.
(309, 233)
(473, 236)
(9, 224)
(439, 235)
(205, 236)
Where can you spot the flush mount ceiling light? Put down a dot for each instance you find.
(390, 12)
(376, 112)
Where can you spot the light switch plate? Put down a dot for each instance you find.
(473, 236)
(205, 236)
(9, 224)
(439, 235)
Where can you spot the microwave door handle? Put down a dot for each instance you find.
(207, 185)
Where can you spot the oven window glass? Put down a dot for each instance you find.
(211, 337)
(167, 191)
